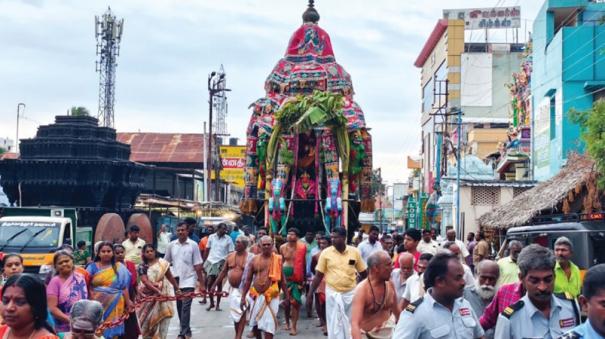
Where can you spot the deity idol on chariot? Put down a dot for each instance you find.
(309, 153)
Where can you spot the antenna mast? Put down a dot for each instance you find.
(108, 31)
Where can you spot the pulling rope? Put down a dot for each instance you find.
(161, 298)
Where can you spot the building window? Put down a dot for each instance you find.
(519, 190)
(553, 114)
(598, 95)
(485, 196)
(427, 96)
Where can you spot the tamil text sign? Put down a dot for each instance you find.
(484, 18)
(233, 160)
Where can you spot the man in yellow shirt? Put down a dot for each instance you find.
(567, 274)
(509, 270)
(339, 264)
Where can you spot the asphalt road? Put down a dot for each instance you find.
(218, 325)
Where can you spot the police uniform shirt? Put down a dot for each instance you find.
(523, 320)
(584, 331)
(427, 319)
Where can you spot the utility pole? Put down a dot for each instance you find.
(458, 160)
(19, 105)
(216, 88)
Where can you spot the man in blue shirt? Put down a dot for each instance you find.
(593, 301)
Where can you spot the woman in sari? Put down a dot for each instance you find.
(64, 289)
(131, 325)
(109, 285)
(155, 278)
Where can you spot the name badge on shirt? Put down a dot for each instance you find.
(465, 312)
(569, 322)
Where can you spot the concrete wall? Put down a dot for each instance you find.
(568, 68)
(503, 66)
(473, 212)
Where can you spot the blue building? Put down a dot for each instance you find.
(569, 73)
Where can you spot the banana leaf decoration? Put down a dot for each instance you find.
(303, 113)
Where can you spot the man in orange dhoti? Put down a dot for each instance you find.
(263, 281)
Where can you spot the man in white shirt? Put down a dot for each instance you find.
(427, 244)
(218, 247)
(469, 279)
(133, 246)
(184, 254)
(414, 287)
(370, 245)
(451, 236)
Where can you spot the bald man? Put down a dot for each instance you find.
(400, 275)
(482, 294)
(375, 310)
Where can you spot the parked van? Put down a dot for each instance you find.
(586, 232)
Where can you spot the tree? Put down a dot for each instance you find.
(79, 111)
(592, 124)
(2, 151)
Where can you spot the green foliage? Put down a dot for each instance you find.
(302, 113)
(592, 125)
(2, 150)
(79, 111)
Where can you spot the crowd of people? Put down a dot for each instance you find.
(410, 285)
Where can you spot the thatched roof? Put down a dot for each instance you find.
(552, 196)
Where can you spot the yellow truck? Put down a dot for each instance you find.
(36, 233)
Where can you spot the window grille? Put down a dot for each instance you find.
(485, 196)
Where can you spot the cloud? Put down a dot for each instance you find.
(169, 47)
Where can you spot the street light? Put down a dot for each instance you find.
(216, 86)
(19, 105)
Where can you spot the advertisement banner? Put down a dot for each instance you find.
(233, 160)
(486, 18)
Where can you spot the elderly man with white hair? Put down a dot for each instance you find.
(85, 318)
(480, 295)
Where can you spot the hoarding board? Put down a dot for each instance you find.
(486, 18)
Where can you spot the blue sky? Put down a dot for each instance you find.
(169, 47)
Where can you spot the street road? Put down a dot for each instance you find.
(218, 325)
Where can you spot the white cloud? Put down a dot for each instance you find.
(169, 47)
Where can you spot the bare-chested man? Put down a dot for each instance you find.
(375, 309)
(255, 249)
(320, 294)
(234, 269)
(294, 253)
(264, 277)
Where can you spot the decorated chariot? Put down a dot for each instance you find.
(309, 153)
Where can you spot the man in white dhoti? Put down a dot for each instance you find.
(235, 269)
(339, 264)
(263, 281)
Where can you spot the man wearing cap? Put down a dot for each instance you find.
(567, 274)
(133, 246)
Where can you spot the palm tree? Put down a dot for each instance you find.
(79, 111)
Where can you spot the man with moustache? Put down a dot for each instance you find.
(441, 313)
(567, 274)
(593, 301)
(480, 295)
(540, 313)
(375, 311)
(234, 270)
